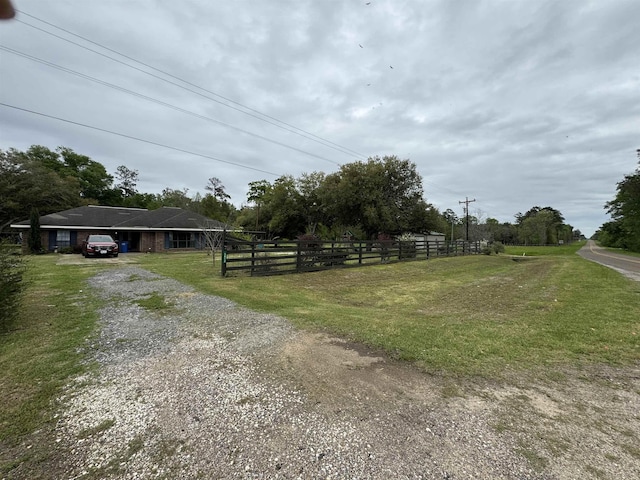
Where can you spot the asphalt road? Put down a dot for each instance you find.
(625, 264)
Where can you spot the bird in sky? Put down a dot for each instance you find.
(360, 46)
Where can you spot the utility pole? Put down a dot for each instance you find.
(466, 202)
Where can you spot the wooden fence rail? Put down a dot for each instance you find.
(278, 258)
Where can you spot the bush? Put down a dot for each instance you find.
(407, 249)
(498, 247)
(495, 247)
(11, 284)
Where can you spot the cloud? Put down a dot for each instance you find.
(516, 104)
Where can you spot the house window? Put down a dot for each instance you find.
(181, 240)
(63, 238)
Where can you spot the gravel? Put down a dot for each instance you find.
(207, 389)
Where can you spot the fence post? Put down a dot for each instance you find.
(253, 257)
(224, 253)
(298, 258)
(333, 251)
(360, 253)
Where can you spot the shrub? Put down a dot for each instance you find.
(407, 249)
(495, 247)
(310, 245)
(263, 263)
(11, 285)
(308, 241)
(35, 243)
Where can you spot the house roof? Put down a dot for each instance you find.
(94, 216)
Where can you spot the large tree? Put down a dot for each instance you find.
(217, 209)
(379, 195)
(309, 186)
(285, 207)
(95, 183)
(256, 216)
(31, 180)
(624, 229)
(542, 226)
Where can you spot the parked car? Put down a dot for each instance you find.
(99, 246)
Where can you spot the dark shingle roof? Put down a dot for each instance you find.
(121, 217)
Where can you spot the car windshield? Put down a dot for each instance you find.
(100, 238)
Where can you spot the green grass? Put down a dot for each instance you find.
(476, 315)
(623, 252)
(154, 302)
(567, 249)
(40, 353)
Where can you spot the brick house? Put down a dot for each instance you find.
(162, 230)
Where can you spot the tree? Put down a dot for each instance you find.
(540, 226)
(95, 182)
(625, 214)
(380, 195)
(257, 194)
(214, 238)
(452, 221)
(492, 229)
(212, 207)
(216, 187)
(31, 180)
(12, 269)
(309, 186)
(174, 198)
(287, 218)
(127, 181)
(35, 241)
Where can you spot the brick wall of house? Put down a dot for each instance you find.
(44, 238)
(148, 242)
(159, 242)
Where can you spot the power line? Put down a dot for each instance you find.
(466, 210)
(131, 137)
(263, 117)
(159, 102)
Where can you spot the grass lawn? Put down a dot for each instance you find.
(535, 251)
(623, 252)
(39, 353)
(473, 315)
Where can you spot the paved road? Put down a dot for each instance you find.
(625, 264)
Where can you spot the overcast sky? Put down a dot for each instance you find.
(512, 103)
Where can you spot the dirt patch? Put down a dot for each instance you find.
(569, 424)
(349, 376)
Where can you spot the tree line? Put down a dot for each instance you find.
(363, 200)
(623, 231)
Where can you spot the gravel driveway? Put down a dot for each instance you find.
(206, 389)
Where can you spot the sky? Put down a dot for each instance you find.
(513, 104)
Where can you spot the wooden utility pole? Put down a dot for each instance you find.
(466, 202)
